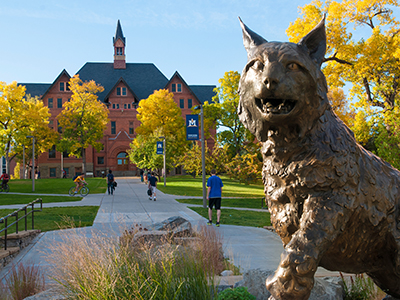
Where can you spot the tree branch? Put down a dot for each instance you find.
(334, 58)
(369, 98)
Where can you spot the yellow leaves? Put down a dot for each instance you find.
(20, 117)
(84, 118)
(338, 101)
(159, 111)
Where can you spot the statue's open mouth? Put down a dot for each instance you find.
(275, 106)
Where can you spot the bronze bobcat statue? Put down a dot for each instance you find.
(333, 203)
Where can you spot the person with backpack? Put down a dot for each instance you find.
(5, 179)
(110, 182)
(152, 185)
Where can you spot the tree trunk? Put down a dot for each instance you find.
(84, 162)
(8, 158)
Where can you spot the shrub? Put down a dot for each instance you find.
(22, 282)
(16, 171)
(100, 267)
(360, 288)
(239, 293)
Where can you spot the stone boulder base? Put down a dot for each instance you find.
(324, 289)
(176, 225)
(175, 229)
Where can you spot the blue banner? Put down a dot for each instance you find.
(160, 147)
(192, 127)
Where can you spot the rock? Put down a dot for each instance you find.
(150, 239)
(227, 273)
(324, 288)
(179, 226)
(254, 280)
(192, 242)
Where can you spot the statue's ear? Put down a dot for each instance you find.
(250, 38)
(315, 42)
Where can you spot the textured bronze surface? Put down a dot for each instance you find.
(333, 203)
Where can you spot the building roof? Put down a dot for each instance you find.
(203, 92)
(142, 78)
(119, 34)
(36, 89)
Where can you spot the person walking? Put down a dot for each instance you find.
(141, 175)
(214, 193)
(110, 182)
(152, 185)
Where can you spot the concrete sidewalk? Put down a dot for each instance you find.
(247, 247)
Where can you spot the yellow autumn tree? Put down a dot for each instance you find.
(21, 116)
(159, 116)
(363, 53)
(82, 120)
(339, 104)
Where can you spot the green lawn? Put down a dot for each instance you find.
(8, 199)
(232, 202)
(237, 217)
(55, 217)
(55, 185)
(187, 186)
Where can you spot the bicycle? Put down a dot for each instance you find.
(6, 188)
(83, 190)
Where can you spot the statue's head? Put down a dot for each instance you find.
(282, 83)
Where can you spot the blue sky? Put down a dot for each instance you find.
(199, 39)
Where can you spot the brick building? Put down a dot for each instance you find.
(125, 84)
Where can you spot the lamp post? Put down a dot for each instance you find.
(203, 155)
(23, 162)
(33, 161)
(164, 170)
(62, 164)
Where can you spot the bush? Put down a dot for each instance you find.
(360, 288)
(22, 282)
(239, 293)
(104, 268)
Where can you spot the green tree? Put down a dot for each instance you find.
(20, 117)
(83, 119)
(159, 116)
(191, 160)
(222, 112)
(246, 167)
(142, 152)
(369, 64)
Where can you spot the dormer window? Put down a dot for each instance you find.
(176, 88)
(121, 91)
(62, 86)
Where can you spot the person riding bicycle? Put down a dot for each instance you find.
(79, 181)
(5, 179)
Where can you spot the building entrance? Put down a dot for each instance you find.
(122, 162)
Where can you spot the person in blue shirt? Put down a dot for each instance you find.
(214, 193)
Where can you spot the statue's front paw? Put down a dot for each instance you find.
(285, 285)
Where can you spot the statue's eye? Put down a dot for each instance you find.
(258, 65)
(293, 67)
